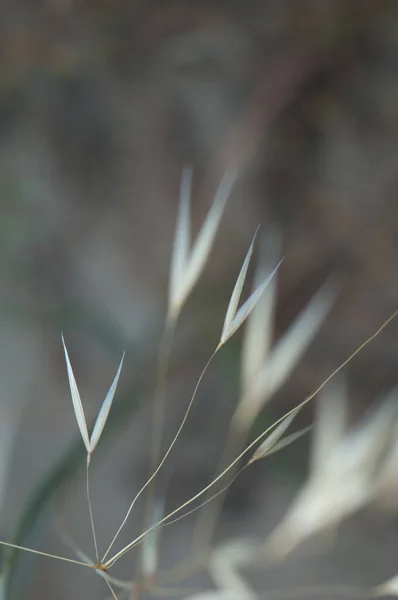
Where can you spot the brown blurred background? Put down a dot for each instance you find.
(101, 105)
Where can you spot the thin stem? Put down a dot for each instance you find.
(191, 565)
(207, 519)
(188, 410)
(194, 561)
(138, 539)
(210, 499)
(90, 508)
(112, 591)
(55, 556)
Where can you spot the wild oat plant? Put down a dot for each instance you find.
(350, 467)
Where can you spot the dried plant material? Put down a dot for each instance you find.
(201, 249)
(273, 438)
(289, 439)
(346, 482)
(389, 588)
(223, 568)
(77, 403)
(284, 443)
(269, 375)
(259, 328)
(234, 316)
(90, 443)
(256, 343)
(104, 410)
(294, 343)
(186, 266)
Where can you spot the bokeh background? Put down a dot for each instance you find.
(101, 105)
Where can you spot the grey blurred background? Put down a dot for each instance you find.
(101, 105)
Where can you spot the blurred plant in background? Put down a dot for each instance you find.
(347, 472)
(100, 105)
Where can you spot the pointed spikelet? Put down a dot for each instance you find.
(290, 349)
(90, 442)
(77, 403)
(186, 265)
(104, 410)
(344, 483)
(289, 439)
(234, 316)
(273, 438)
(264, 368)
(259, 328)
